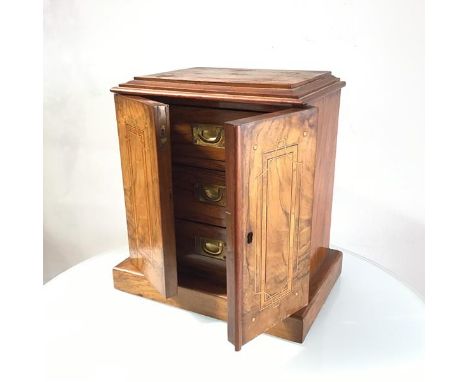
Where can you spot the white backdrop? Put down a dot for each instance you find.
(377, 46)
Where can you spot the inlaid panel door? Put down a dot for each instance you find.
(270, 179)
(145, 151)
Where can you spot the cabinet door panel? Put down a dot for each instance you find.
(145, 152)
(270, 166)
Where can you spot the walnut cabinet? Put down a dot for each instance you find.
(228, 181)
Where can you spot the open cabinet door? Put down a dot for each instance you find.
(270, 178)
(145, 151)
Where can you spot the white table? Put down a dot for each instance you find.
(371, 326)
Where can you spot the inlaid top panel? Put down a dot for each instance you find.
(240, 77)
(262, 86)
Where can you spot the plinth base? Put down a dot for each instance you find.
(199, 299)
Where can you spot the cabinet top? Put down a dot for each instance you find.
(263, 86)
(240, 77)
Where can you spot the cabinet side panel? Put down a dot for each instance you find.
(328, 108)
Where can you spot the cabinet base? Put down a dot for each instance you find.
(201, 300)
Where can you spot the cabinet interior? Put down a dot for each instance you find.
(199, 192)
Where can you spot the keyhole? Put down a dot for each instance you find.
(249, 237)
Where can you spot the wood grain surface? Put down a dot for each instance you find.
(145, 149)
(271, 173)
(238, 77)
(267, 87)
(183, 147)
(324, 176)
(190, 201)
(191, 257)
(208, 299)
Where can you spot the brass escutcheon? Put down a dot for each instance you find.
(210, 247)
(211, 193)
(208, 135)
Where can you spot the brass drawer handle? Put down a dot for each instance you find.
(208, 135)
(211, 193)
(210, 247)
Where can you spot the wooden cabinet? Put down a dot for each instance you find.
(228, 181)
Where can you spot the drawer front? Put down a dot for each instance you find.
(200, 239)
(200, 246)
(203, 141)
(198, 135)
(199, 195)
(201, 251)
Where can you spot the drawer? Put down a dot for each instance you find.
(201, 249)
(200, 239)
(199, 194)
(198, 135)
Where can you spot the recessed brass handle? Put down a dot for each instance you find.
(211, 193)
(208, 135)
(210, 247)
(214, 247)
